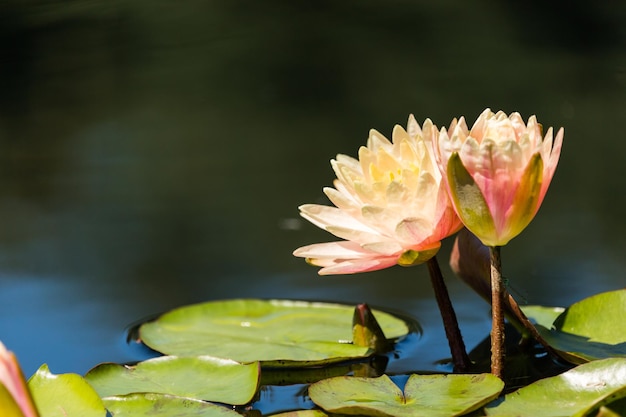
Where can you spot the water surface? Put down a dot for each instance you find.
(154, 154)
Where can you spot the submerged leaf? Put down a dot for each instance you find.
(423, 396)
(278, 332)
(203, 378)
(576, 392)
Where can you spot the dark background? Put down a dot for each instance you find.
(153, 153)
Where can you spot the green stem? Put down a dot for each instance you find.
(497, 315)
(455, 340)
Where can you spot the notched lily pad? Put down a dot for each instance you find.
(593, 328)
(163, 405)
(277, 332)
(423, 396)
(203, 378)
(64, 395)
(576, 392)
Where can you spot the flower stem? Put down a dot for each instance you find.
(455, 340)
(497, 315)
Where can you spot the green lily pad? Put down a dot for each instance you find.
(64, 395)
(542, 315)
(277, 332)
(424, 395)
(302, 413)
(593, 328)
(575, 393)
(163, 405)
(599, 318)
(203, 378)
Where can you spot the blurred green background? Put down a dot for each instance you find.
(153, 153)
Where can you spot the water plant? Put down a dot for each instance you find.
(393, 206)
(497, 174)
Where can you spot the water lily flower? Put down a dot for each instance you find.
(13, 384)
(391, 205)
(498, 172)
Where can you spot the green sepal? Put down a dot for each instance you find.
(470, 203)
(412, 257)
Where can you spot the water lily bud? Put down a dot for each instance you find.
(498, 172)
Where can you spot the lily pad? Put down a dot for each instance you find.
(599, 318)
(593, 328)
(64, 395)
(302, 413)
(163, 405)
(203, 378)
(423, 396)
(542, 315)
(576, 392)
(277, 332)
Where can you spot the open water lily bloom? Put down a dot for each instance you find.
(498, 172)
(391, 205)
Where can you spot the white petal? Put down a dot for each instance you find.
(413, 128)
(344, 201)
(399, 134)
(377, 140)
(362, 236)
(414, 231)
(326, 216)
(333, 250)
(386, 248)
(360, 265)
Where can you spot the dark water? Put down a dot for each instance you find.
(153, 153)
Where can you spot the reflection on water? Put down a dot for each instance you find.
(154, 155)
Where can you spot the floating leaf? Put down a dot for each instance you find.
(301, 413)
(424, 395)
(163, 405)
(575, 393)
(203, 378)
(307, 375)
(593, 328)
(275, 331)
(64, 395)
(599, 318)
(541, 315)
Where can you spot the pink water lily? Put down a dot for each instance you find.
(391, 205)
(12, 379)
(498, 172)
